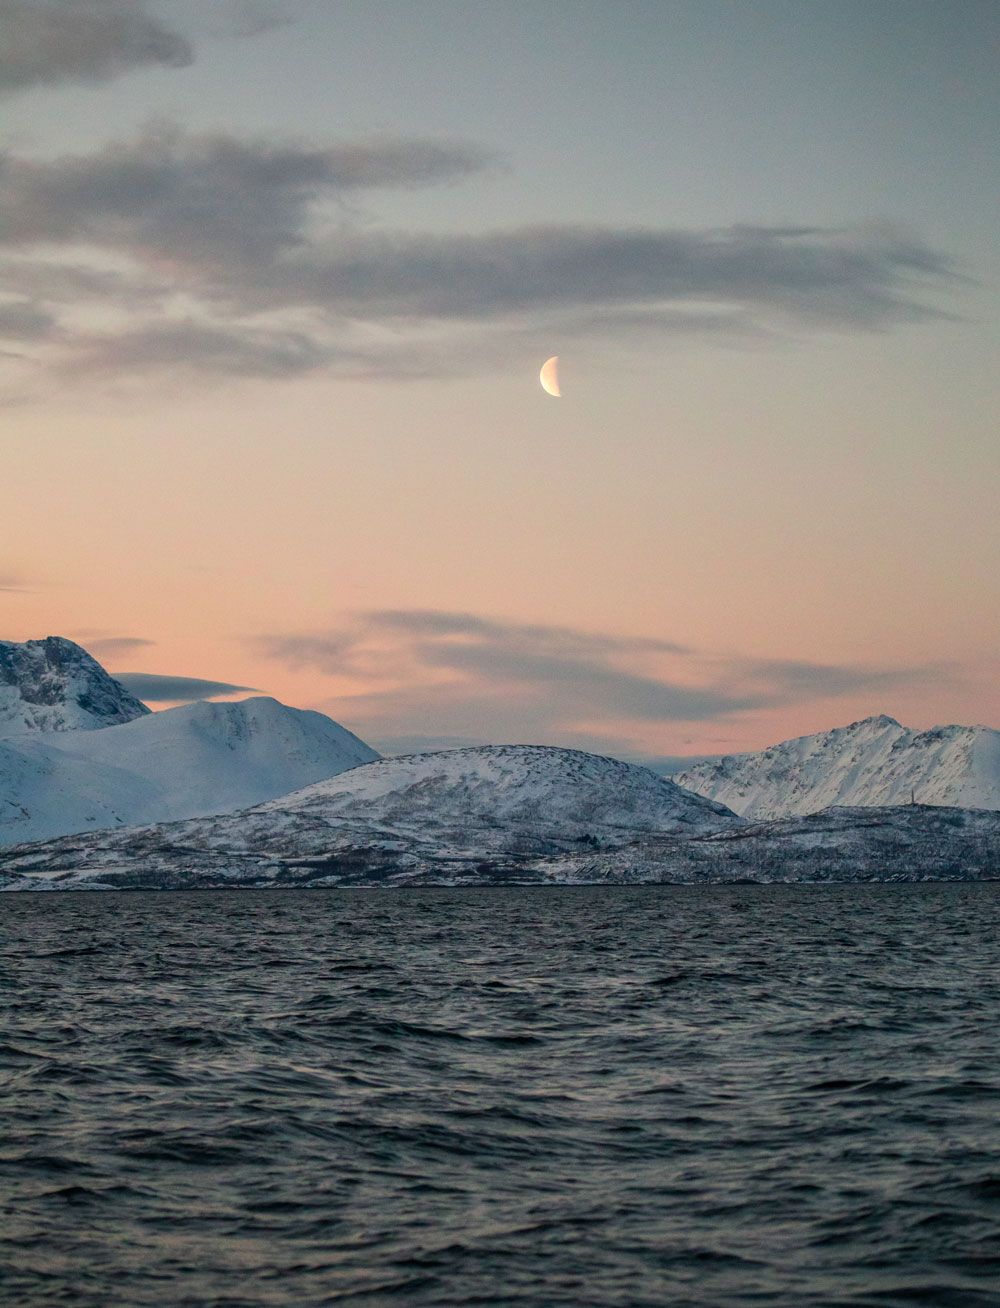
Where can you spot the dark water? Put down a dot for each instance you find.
(586, 1096)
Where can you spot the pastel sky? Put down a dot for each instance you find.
(276, 281)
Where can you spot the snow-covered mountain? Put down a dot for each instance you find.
(213, 758)
(873, 762)
(454, 807)
(54, 685)
(499, 794)
(184, 762)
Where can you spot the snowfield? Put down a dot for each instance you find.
(184, 762)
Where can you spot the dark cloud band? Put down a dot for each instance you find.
(278, 279)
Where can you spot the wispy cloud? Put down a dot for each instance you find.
(823, 680)
(23, 320)
(242, 18)
(232, 256)
(197, 348)
(442, 676)
(213, 204)
(51, 41)
(110, 647)
(155, 689)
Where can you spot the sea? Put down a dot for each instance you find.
(625, 1097)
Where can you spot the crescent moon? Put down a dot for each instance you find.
(549, 376)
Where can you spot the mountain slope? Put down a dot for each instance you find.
(184, 762)
(53, 685)
(45, 793)
(913, 842)
(872, 762)
(451, 807)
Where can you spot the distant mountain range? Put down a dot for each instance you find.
(79, 753)
(327, 836)
(872, 762)
(490, 808)
(96, 792)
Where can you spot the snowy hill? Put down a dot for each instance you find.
(214, 758)
(502, 797)
(184, 762)
(448, 808)
(54, 685)
(873, 762)
(500, 793)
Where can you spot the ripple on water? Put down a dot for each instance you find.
(767, 1096)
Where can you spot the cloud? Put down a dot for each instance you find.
(617, 747)
(200, 349)
(50, 41)
(829, 276)
(220, 208)
(112, 646)
(11, 584)
(243, 18)
(22, 320)
(442, 676)
(417, 744)
(823, 680)
(154, 689)
(231, 256)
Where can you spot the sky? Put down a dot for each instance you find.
(276, 283)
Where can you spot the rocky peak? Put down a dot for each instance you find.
(54, 685)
